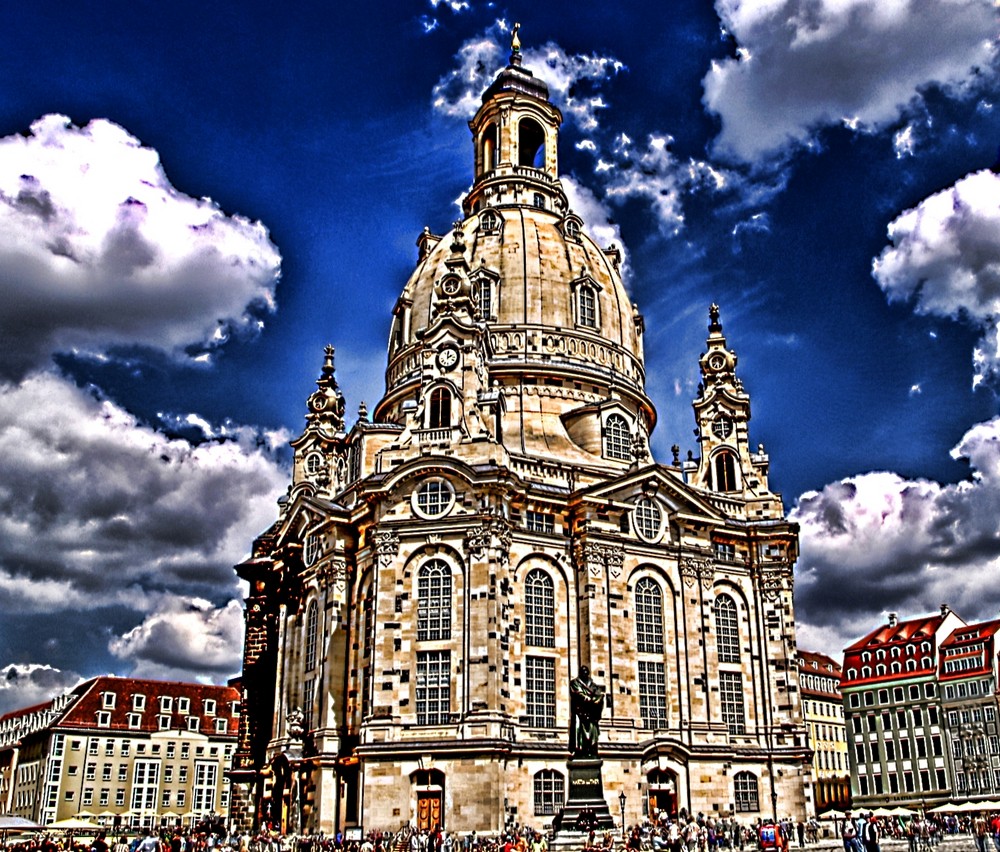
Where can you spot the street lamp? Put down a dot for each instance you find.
(621, 801)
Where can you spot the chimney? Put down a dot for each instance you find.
(945, 609)
(893, 619)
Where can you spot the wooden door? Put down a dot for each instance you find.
(428, 810)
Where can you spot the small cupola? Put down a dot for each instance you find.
(516, 136)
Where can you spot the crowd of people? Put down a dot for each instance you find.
(862, 832)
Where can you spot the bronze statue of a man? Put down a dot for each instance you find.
(586, 702)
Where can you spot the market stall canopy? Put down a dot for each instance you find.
(75, 824)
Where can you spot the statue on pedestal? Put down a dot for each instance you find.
(586, 707)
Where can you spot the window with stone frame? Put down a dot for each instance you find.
(648, 519)
(727, 629)
(433, 688)
(586, 306)
(482, 292)
(434, 498)
(724, 465)
(539, 609)
(652, 694)
(439, 409)
(745, 793)
(549, 792)
(312, 634)
(617, 438)
(540, 691)
(648, 606)
(434, 601)
(731, 698)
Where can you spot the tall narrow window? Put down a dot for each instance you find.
(586, 306)
(483, 290)
(312, 635)
(439, 415)
(648, 617)
(490, 152)
(617, 438)
(434, 601)
(539, 610)
(725, 472)
(540, 691)
(731, 695)
(549, 788)
(433, 687)
(652, 695)
(745, 792)
(727, 629)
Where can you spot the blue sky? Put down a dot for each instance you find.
(196, 197)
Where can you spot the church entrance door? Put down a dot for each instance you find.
(428, 809)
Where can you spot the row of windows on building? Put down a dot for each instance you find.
(433, 693)
(832, 760)
(906, 781)
(146, 792)
(872, 697)
(166, 704)
(124, 747)
(163, 723)
(830, 709)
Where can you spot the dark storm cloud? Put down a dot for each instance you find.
(878, 542)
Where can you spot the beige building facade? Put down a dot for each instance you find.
(123, 752)
(440, 571)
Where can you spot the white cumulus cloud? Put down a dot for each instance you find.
(98, 248)
(28, 684)
(184, 638)
(945, 259)
(806, 64)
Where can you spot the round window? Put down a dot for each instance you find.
(647, 519)
(314, 464)
(434, 498)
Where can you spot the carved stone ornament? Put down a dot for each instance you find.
(595, 558)
(385, 543)
(697, 568)
(494, 532)
(333, 572)
(775, 581)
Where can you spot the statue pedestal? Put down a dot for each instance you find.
(585, 807)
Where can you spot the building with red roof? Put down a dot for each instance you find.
(893, 714)
(128, 752)
(967, 677)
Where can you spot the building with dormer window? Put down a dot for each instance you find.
(438, 573)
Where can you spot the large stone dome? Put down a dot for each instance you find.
(520, 274)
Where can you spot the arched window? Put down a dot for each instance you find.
(312, 634)
(434, 601)
(490, 221)
(530, 144)
(539, 609)
(549, 786)
(745, 792)
(724, 466)
(648, 617)
(727, 629)
(439, 415)
(491, 153)
(586, 306)
(482, 292)
(896, 668)
(617, 438)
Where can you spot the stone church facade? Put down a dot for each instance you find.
(440, 571)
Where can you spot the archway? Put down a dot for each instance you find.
(428, 788)
(661, 785)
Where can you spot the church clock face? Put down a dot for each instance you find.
(450, 286)
(717, 361)
(318, 401)
(722, 427)
(447, 357)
